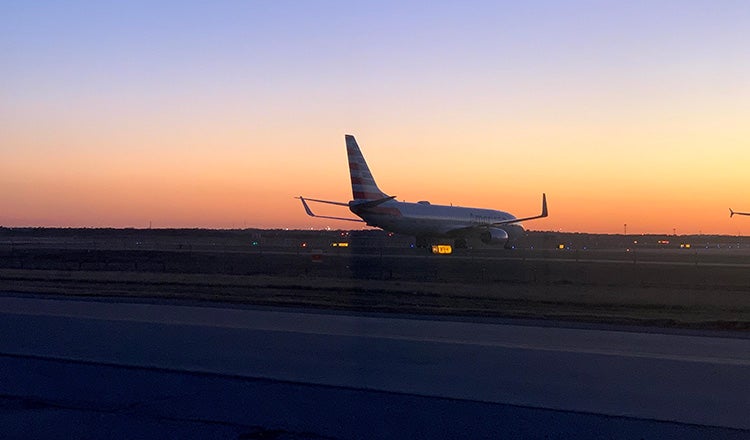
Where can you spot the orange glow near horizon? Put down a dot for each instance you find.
(588, 192)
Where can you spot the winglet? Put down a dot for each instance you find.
(307, 208)
(544, 205)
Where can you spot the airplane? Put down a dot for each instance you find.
(733, 213)
(429, 223)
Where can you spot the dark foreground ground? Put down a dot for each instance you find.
(82, 368)
(153, 403)
(55, 388)
(592, 278)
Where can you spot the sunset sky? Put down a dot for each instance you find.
(216, 114)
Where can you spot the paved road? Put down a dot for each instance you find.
(680, 378)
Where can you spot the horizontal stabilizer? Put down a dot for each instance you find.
(372, 203)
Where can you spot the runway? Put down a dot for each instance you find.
(682, 379)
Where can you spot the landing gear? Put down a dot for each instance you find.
(423, 242)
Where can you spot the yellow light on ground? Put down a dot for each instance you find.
(442, 249)
(340, 244)
(561, 246)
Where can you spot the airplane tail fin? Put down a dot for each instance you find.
(363, 184)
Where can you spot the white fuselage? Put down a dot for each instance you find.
(427, 220)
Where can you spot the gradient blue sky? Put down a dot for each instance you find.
(214, 114)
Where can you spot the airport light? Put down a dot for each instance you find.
(442, 249)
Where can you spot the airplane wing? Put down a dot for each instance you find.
(459, 232)
(516, 220)
(312, 214)
(733, 213)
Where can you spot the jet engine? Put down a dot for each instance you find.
(494, 236)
